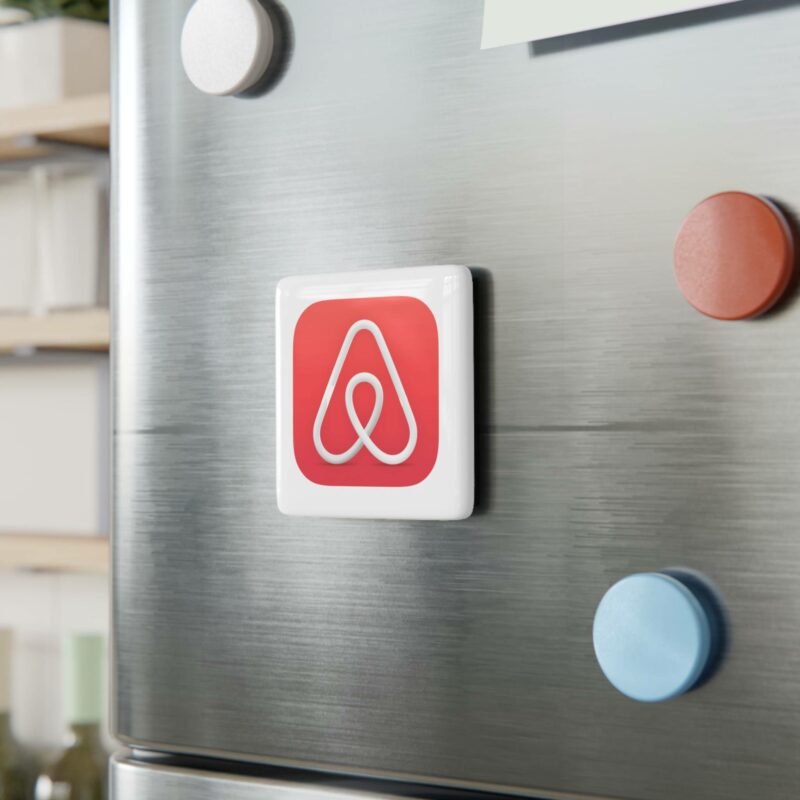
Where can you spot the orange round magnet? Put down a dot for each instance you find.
(734, 256)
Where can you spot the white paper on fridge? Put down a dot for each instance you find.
(515, 21)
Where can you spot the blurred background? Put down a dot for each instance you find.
(54, 400)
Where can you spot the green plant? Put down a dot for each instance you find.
(82, 9)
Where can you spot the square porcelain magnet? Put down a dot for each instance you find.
(375, 394)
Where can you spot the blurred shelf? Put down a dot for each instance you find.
(54, 552)
(68, 330)
(29, 132)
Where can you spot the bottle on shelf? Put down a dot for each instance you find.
(15, 765)
(80, 772)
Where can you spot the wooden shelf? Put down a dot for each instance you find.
(54, 552)
(68, 330)
(27, 132)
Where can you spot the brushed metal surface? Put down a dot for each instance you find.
(136, 777)
(619, 430)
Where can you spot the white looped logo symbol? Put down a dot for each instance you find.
(364, 432)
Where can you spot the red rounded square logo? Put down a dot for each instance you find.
(365, 396)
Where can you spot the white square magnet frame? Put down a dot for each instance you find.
(447, 492)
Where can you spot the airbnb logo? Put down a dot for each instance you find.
(374, 410)
(366, 392)
(363, 431)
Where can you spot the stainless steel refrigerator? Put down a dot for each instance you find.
(618, 431)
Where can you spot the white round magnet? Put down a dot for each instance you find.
(226, 45)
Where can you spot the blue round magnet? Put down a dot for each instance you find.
(652, 637)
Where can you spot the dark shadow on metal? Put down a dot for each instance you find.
(483, 310)
(711, 600)
(647, 27)
(281, 51)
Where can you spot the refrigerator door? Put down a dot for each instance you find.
(618, 430)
